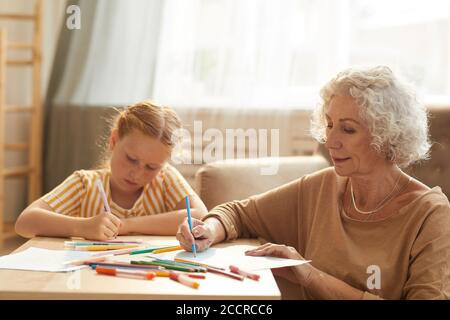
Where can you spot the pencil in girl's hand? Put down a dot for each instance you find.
(104, 199)
(103, 195)
(188, 209)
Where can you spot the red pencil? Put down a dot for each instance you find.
(225, 273)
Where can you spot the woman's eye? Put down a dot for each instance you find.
(329, 126)
(349, 130)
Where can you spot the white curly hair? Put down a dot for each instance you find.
(397, 121)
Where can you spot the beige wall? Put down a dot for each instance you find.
(19, 86)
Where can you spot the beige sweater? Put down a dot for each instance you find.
(411, 248)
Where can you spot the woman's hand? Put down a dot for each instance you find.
(202, 232)
(282, 251)
(104, 226)
(275, 250)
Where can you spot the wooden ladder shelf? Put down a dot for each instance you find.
(33, 169)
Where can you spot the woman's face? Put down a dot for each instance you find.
(136, 159)
(348, 139)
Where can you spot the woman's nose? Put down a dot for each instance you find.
(332, 142)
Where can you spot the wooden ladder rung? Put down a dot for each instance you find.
(17, 146)
(19, 62)
(20, 45)
(17, 16)
(16, 171)
(18, 109)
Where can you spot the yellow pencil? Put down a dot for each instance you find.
(164, 273)
(168, 249)
(105, 247)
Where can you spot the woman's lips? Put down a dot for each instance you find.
(340, 160)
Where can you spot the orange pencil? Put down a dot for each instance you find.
(147, 275)
(168, 249)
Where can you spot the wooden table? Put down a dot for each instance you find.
(87, 284)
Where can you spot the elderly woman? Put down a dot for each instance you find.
(370, 230)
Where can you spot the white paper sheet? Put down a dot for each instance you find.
(224, 257)
(37, 259)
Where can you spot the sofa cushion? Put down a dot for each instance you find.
(237, 179)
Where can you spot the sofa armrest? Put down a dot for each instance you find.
(237, 179)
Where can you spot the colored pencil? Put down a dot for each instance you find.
(225, 273)
(188, 209)
(244, 273)
(150, 250)
(198, 263)
(184, 280)
(94, 264)
(147, 275)
(197, 268)
(165, 273)
(104, 247)
(168, 249)
(82, 261)
(165, 265)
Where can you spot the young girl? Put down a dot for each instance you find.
(145, 193)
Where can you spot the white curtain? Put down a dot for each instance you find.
(253, 53)
(112, 58)
(277, 53)
(249, 53)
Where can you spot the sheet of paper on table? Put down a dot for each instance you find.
(37, 259)
(235, 255)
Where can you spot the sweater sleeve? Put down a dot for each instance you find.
(429, 270)
(273, 215)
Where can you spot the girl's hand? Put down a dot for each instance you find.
(201, 231)
(104, 226)
(124, 228)
(275, 250)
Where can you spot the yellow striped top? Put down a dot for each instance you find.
(78, 195)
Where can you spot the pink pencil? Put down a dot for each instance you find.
(247, 274)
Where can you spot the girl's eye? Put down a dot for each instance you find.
(131, 159)
(329, 126)
(150, 168)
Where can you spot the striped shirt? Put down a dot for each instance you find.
(78, 195)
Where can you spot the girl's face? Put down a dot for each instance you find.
(136, 159)
(348, 139)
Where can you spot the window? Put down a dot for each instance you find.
(278, 53)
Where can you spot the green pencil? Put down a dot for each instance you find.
(181, 264)
(165, 265)
(150, 250)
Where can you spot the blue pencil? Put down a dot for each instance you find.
(188, 208)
